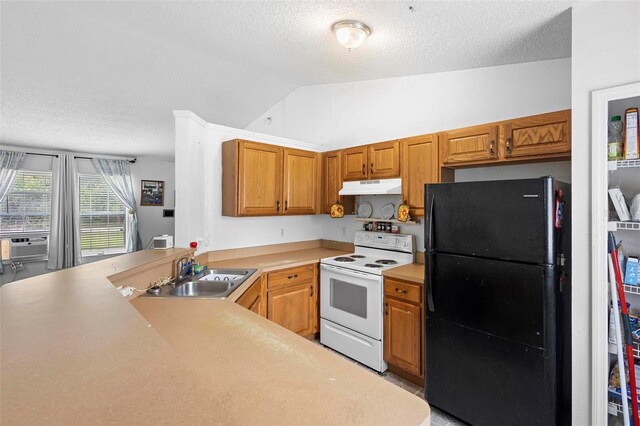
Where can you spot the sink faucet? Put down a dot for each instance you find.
(180, 267)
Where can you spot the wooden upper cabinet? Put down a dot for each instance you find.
(332, 183)
(301, 182)
(538, 135)
(354, 163)
(419, 167)
(266, 180)
(384, 160)
(251, 178)
(468, 145)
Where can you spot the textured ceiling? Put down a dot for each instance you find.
(104, 77)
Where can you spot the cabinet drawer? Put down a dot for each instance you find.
(403, 290)
(290, 276)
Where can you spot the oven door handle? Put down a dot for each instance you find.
(349, 272)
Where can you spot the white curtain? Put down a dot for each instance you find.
(64, 235)
(117, 175)
(10, 163)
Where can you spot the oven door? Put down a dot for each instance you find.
(352, 299)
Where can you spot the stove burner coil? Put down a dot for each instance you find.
(386, 262)
(372, 265)
(344, 259)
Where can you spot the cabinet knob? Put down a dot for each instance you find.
(492, 148)
(278, 205)
(508, 145)
(364, 169)
(292, 276)
(371, 167)
(311, 295)
(400, 290)
(286, 205)
(386, 309)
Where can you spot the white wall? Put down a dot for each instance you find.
(340, 115)
(150, 220)
(605, 53)
(199, 192)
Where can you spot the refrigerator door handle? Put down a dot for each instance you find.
(428, 280)
(431, 228)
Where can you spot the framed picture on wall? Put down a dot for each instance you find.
(152, 193)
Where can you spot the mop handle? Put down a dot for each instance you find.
(627, 329)
(616, 320)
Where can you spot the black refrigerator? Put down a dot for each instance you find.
(498, 300)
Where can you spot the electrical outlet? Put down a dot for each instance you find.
(282, 232)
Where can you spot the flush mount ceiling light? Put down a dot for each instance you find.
(351, 34)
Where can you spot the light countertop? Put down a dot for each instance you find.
(74, 351)
(414, 272)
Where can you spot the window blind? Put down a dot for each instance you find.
(27, 206)
(102, 218)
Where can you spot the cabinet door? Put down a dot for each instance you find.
(293, 307)
(259, 179)
(469, 145)
(403, 335)
(252, 298)
(332, 183)
(301, 182)
(538, 135)
(419, 166)
(354, 163)
(384, 160)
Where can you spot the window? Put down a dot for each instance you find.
(27, 206)
(103, 228)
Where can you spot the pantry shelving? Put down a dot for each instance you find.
(636, 349)
(623, 226)
(622, 164)
(625, 175)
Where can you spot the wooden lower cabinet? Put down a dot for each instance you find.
(252, 298)
(403, 327)
(294, 305)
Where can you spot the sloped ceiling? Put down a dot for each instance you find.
(103, 77)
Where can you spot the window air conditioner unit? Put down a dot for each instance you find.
(26, 247)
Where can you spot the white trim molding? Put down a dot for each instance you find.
(248, 134)
(599, 217)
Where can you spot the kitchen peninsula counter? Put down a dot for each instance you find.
(74, 351)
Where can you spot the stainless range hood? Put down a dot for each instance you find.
(372, 187)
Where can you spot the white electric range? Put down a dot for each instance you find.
(351, 295)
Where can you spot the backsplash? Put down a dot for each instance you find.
(344, 229)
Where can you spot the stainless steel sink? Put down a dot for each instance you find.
(213, 283)
(224, 274)
(203, 288)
